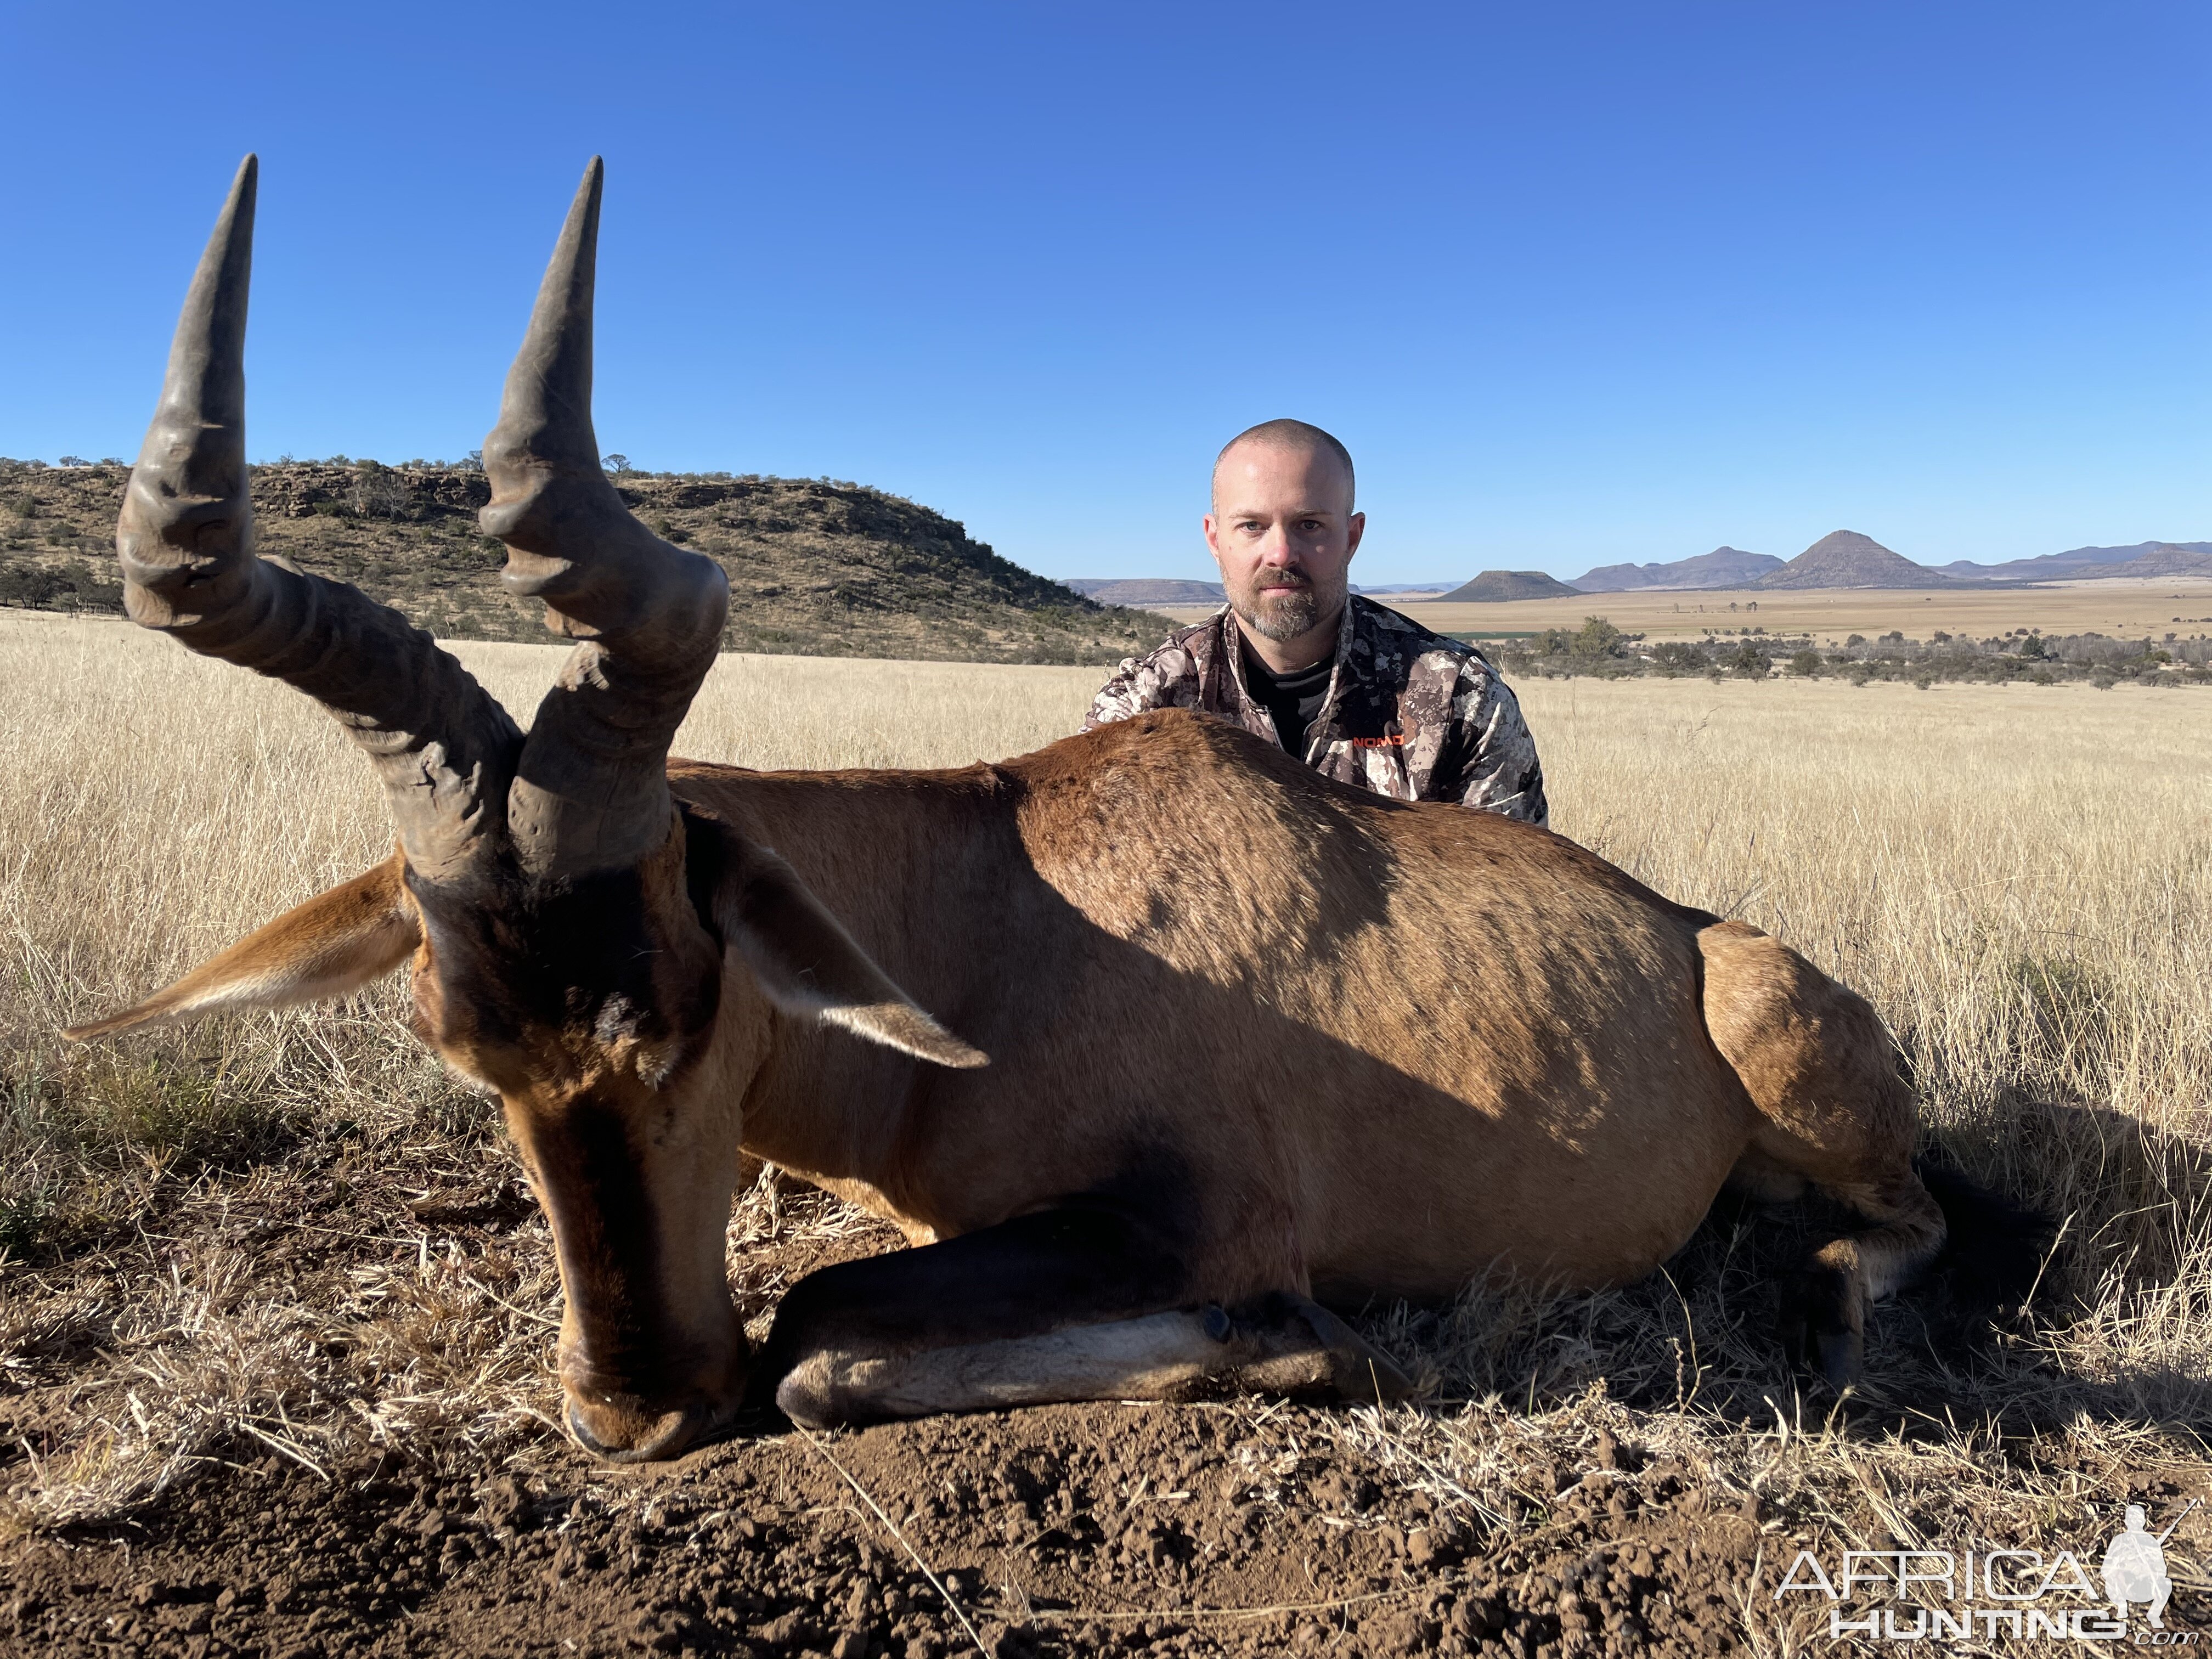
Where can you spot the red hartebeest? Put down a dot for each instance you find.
(1253, 1038)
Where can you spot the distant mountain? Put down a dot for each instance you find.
(2168, 561)
(2075, 564)
(1141, 591)
(1843, 558)
(1496, 587)
(1724, 567)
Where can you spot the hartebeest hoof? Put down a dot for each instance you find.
(1349, 1366)
(625, 1437)
(1823, 1325)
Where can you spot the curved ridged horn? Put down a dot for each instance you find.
(443, 745)
(592, 789)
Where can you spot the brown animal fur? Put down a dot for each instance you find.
(1340, 997)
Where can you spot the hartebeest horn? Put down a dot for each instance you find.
(443, 745)
(591, 790)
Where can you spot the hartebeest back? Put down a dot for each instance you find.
(1253, 1038)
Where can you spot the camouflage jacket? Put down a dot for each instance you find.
(1409, 713)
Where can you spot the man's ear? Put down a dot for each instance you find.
(335, 943)
(809, 965)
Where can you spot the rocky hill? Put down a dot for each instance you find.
(815, 568)
(1724, 567)
(1843, 558)
(1497, 586)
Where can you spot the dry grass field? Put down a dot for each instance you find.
(2120, 608)
(232, 1254)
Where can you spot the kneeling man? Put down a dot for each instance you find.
(1356, 691)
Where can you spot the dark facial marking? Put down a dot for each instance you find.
(591, 1180)
(581, 954)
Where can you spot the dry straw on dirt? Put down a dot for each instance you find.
(231, 1237)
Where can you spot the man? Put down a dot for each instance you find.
(1356, 691)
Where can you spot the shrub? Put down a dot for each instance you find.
(1596, 637)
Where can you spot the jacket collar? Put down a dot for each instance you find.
(1232, 650)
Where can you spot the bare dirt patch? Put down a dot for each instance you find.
(402, 1518)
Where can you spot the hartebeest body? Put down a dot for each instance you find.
(1253, 1038)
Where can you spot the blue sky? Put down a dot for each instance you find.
(1577, 283)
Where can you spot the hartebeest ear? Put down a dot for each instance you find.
(808, 964)
(335, 943)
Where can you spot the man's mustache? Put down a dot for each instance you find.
(1285, 581)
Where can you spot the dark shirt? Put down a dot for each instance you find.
(1294, 699)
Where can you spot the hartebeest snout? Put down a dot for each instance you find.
(1254, 1039)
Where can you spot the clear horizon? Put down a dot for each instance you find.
(1578, 286)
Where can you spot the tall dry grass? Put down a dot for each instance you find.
(2020, 879)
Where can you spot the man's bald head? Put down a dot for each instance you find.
(1283, 531)
(1287, 434)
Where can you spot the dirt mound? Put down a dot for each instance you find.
(1243, 1529)
(1078, 1529)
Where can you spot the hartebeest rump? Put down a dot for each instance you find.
(1253, 1038)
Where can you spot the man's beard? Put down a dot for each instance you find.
(1278, 612)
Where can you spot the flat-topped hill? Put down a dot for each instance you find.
(1500, 586)
(816, 567)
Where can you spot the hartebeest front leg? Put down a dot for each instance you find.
(1081, 1303)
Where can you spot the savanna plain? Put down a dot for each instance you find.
(276, 1309)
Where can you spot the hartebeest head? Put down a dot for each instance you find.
(610, 965)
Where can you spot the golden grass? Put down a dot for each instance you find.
(2123, 607)
(2020, 877)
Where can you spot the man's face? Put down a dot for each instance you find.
(1284, 533)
